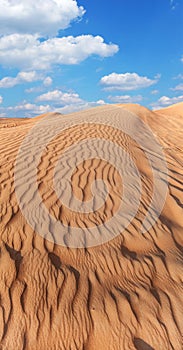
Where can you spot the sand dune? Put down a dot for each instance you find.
(124, 294)
(174, 110)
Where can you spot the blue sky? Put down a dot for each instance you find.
(66, 55)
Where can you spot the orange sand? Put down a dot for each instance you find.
(123, 295)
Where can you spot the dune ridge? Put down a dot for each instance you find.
(124, 294)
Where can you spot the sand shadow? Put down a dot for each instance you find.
(142, 345)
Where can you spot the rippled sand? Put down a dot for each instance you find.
(125, 294)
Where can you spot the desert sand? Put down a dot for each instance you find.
(124, 294)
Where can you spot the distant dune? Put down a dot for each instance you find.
(124, 294)
(174, 110)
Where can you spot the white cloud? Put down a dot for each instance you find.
(22, 77)
(154, 92)
(52, 101)
(60, 97)
(125, 99)
(29, 109)
(47, 81)
(83, 105)
(67, 102)
(34, 89)
(179, 87)
(101, 102)
(165, 101)
(28, 52)
(1, 99)
(42, 17)
(126, 81)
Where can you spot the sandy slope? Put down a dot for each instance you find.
(124, 294)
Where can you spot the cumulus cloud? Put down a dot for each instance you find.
(63, 102)
(166, 101)
(42, 17)
(179, 87)
(30, 42)
(67, 102)
(47, 81)
(83, 105)
(126, 81)
(29, 109)
(26, 109)
(1, 99)
(29, 52)
(125, 99)
(22, 77)
(60, 97)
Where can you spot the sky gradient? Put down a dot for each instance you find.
(66, 55)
